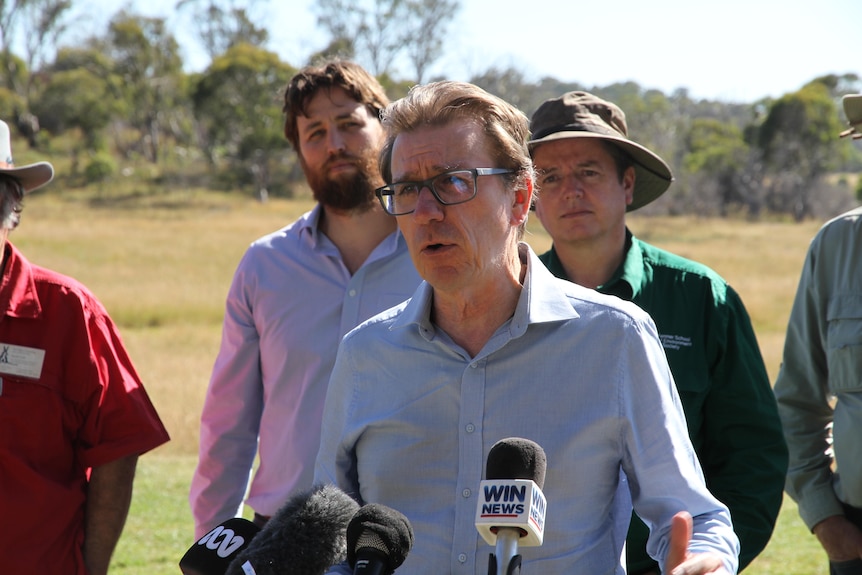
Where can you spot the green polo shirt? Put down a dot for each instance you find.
(723, 385)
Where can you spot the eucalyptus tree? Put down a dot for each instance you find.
(379, 32)
(80, 91)
(799, 143)
(222, 24)
(237, 103)
(146, 57)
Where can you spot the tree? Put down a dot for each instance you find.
(222, 25)
(80, 91)
(378, 31)
(42, 23)
(798, 140)
(718, 156)
(238, 109)
(428, 20)
(146, 57)
(375, 33)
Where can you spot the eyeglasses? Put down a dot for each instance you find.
(450, 188)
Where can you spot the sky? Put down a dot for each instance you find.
(733, 50)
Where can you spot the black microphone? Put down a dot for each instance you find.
(378, 540)
(306, 536)
(511, 508)
(213, 553)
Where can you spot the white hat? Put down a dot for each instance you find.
(32, 176)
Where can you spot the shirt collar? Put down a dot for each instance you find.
(627, 279)
(18, 297)
(543, 299)
(309, 225)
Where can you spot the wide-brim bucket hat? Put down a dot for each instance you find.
(583, 115)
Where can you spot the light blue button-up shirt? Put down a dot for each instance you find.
(291, 301)
(410, 417)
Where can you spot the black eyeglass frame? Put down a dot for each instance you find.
(389, 189)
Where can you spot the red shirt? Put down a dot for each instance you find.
(70, 399)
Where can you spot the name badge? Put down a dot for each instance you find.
(21, 361)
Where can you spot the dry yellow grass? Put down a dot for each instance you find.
(162, 267)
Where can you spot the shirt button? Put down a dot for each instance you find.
(466, 493)
(470, 428)
(352, 293)
(462, 558)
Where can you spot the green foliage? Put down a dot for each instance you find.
(13, 71)
(800, 130)
(237, 104)
(10, 104)
(100, 167)
(78, 98)
(799, 143)
(714, 147)
(146, 57)
(222, 27)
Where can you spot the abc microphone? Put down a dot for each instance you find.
(378, 540)
(511, 508)
(306, 536)
(213, 553)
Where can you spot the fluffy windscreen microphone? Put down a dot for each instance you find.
(378, 540)
(213, 553)
(305, 537)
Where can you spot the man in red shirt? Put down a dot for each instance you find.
(74, 415)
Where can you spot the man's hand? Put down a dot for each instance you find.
(841, 540)
(679, 560)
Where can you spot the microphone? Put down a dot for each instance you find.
(378, 540)
(213, 553)
(305, 536)
(511, 508)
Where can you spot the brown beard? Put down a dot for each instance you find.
(345, 193)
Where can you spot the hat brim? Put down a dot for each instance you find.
(652, 175)
(32, 177)
(853, 111)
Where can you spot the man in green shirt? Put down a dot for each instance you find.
(589, 175)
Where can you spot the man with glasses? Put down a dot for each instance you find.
(295, 293)
(492, 346)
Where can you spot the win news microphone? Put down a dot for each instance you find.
(511, 508)
(378, 540)
(213, 553)
(306, 536)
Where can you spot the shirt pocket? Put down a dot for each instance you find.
(844, 343)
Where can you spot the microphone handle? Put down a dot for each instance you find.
(370, 561)
(506, 553)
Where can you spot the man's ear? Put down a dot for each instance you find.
(629, 178)
(523, 200)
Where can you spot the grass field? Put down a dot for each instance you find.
(162, 266)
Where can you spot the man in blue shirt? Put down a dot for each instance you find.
(490, 346)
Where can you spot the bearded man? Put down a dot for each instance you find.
(295, 294)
